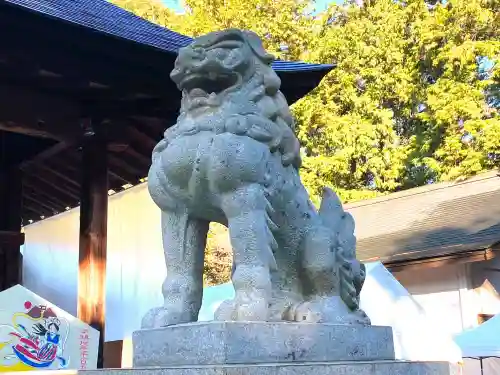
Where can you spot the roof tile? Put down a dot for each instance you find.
(425, 222)
(108, 18)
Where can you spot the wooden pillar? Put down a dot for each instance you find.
(11, 237)
(93, 234)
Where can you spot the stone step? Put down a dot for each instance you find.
(219, 343)
(319, 368)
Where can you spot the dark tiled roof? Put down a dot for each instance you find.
(106, 18)
(430, 221)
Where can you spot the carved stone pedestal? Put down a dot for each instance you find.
(230, 343)
(253, 348)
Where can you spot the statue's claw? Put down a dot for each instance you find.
(243, 309)
(162, 317)
(327, 310)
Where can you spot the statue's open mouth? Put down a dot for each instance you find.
(207, 85)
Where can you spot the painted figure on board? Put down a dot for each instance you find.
(37, 338)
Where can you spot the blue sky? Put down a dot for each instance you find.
(176, 4)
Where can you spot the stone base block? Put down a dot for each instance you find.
(221, 343)
(355, 368)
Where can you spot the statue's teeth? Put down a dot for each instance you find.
(197, 92)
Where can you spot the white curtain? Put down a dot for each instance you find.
(135, 266)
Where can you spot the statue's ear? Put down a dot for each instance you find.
(255, 44)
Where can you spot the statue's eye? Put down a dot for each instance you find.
(234, 57)
(220, 53)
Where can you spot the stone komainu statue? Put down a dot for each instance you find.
(233, 158)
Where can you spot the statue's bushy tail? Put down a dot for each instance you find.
(341, 223)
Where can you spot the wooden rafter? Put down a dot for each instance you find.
(46, 154)
(59, 175)
(36, 193)
(30, 215)
(138, 158)
(130, 172)
(140, 138)
(118, 180)
(58, 184)
(37, 114)
(50, 188)
(44, 205)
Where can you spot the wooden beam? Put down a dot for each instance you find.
(93, 236)
(47, 154)
(118, 179)
(34, 54)
(139, 158)
(113, 57)
(156, 125)
(45, 206)
(29, 214)
(147, 143)
(37, 209)
(117, 168)
(63, 188)
(443, 260)
(129, 172)
(10, 221)
(11, 238)
(61, 176)
(38, 114)
(36, 193)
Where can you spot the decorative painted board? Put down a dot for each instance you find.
(36, 335)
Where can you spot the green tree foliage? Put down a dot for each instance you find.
(410, 102)
(218, 256)
(414, 99)
(152, 10)
(284, 25)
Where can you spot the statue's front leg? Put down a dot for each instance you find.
(251, 240)
(184, 240)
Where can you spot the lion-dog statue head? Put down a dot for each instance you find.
(228, 85)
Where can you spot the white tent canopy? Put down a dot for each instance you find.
(387, 303)
(482, 341)
(416, 336)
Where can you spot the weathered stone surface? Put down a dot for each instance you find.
(212, 343)
(357, 368)
(233, 158)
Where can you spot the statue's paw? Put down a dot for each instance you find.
(256, 309)
(150, 320)
(328, 310)
(163, 317)
(225, 311)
